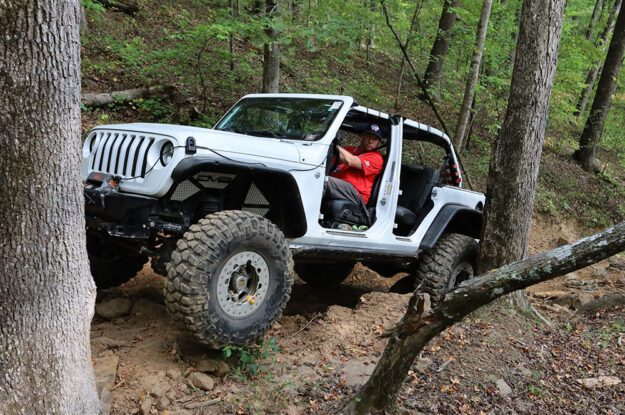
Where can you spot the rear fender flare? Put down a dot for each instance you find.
(453, 219)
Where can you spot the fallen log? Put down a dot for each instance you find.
(608, 300)
(129, 9)
(98, 100)
(420, 324)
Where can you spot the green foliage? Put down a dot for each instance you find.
(213, 56)
(94, 8)
(251, 358)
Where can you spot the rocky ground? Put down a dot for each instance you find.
(327, 344)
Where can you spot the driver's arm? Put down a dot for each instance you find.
(349, 159)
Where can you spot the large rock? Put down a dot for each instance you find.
(601, 381)
(503, 387)
(201, 381)
(201, 357)
(146, 405)
(114, 308)
(357, 373)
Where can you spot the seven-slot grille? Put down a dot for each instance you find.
(119, 153)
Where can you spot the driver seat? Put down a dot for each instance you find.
(344, 211)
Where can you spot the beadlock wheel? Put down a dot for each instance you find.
(242, 284)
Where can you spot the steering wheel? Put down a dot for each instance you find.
(336, 159)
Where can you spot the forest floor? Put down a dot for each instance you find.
(328, 344)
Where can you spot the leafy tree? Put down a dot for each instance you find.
(591, 135)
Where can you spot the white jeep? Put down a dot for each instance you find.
(228, 214)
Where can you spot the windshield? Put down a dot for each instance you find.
(285, 118)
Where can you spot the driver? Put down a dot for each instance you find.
(358, 167)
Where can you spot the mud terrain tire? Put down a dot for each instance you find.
(229, 279)
(324, 275)
(443, 267)
(109, 267)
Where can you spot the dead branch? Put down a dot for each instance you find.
(417, 327)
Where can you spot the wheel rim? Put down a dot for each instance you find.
(242, 284)
(462, 272)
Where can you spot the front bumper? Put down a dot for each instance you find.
(123, 215)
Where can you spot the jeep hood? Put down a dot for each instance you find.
(209, 140)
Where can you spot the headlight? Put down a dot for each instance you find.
(167, 153)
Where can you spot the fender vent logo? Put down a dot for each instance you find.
(214, 178)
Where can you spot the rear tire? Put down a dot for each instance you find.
(229, 278)
(324, 275)
(452, 261)
(109, 267)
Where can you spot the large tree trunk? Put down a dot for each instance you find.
(434, 71)
(474, 72)
(46, 292)
(515, 160)
(602, 43)
(421, 324)
(593, 129)
(271, 55)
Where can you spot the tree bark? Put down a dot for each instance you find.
(46, 291)
(434, 71)
(271, 55)
(421, 324)
(591, 136)
(602, 43)
(515, 160)
(474, 73)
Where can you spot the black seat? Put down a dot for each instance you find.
(415, 202)
(344, 211)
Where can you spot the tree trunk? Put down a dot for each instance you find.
(271, 55)
(515, 160)
(602, 43)
(46, 292)
(591, 136)
(234, 14)
(474, 72)
(434, 70)
(593, 19)
(421, 324)
(84, 24)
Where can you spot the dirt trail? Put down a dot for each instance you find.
(329, 344)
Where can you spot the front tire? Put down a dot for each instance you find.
(452, 261)
(229, 278)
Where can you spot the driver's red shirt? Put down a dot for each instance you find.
(362, 180)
